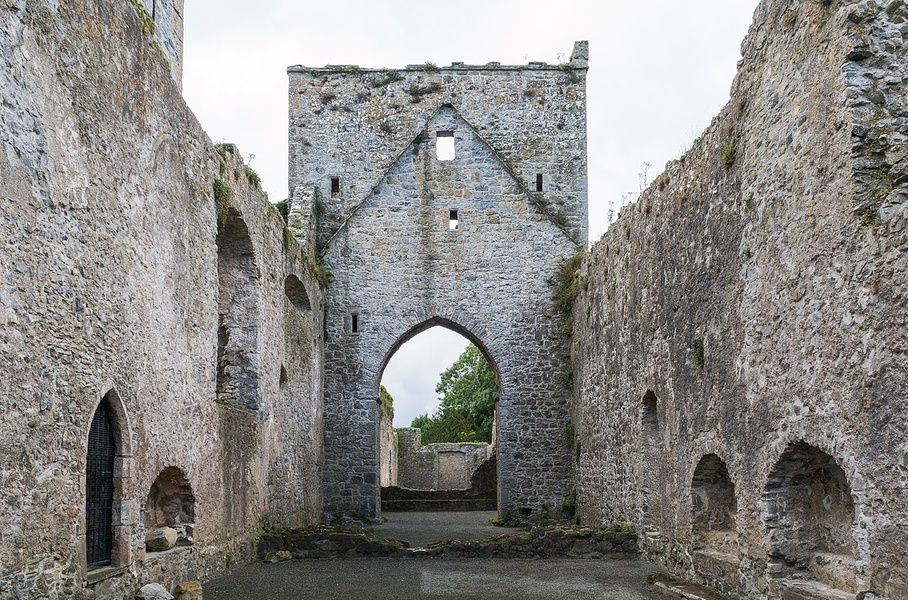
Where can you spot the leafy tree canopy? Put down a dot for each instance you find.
(468, 391)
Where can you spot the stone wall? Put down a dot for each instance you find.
(388, 449)
(114, 259)
(740, 338)
(436, 466)
(167, 17)
(368, 139)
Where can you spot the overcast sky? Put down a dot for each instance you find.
(659, 71)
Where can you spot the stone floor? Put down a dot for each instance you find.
(416, 578)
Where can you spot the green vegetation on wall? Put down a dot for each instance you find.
(386, 402)
(567, 287)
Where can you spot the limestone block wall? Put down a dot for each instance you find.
(388, 448)
(739, 341)
(442, 466)
(353, 124)
(368, 139)
(112, 285)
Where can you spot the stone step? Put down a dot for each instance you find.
(812, 590)
(688, 590)
(438, 505)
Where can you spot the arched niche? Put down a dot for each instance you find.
(810, 516)
(296, 293)
(169, 511)
(713, 506)
(238, 304)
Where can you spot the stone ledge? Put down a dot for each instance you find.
(100, 574)
(439, 505)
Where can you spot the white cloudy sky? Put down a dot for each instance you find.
(659, 71)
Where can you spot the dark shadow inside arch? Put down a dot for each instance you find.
(810, 520)
(237, 352)
(422, 471)
(107, 538)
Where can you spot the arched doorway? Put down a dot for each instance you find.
(437, 440)
(810, 517)
(99, 485)
(107, 535)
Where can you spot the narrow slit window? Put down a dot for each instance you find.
(452, 219)
(335, 187)
(444, 145)
(354, 323)
(538, 182)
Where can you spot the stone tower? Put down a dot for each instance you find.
(445, 196)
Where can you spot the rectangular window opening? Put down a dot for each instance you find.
(453, 221)
(538, 182)
(354, 323)
(444, 145)
(335, 187)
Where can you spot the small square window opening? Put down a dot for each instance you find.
(453, 220)
(444, 145)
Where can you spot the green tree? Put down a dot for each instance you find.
(468, 390)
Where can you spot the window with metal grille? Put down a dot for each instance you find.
(99, 486)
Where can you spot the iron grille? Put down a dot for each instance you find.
(100, 488)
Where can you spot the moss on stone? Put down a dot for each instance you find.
(222, 196)
(568, 286)
(145, 19)
(253, 177)
(317, 268)
(728, 152)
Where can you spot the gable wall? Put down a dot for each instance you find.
(396, 264)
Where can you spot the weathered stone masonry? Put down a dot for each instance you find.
(366, 139)
(113, 262)
(740, 340)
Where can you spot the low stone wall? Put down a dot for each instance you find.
(482, 494)
(538, 542)
(543, 542)
(397, 499)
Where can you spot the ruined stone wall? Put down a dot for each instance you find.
(398, 267)
(752, 306)
(388, 445)
(109, 286)
(442, 466)
(166, 17)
